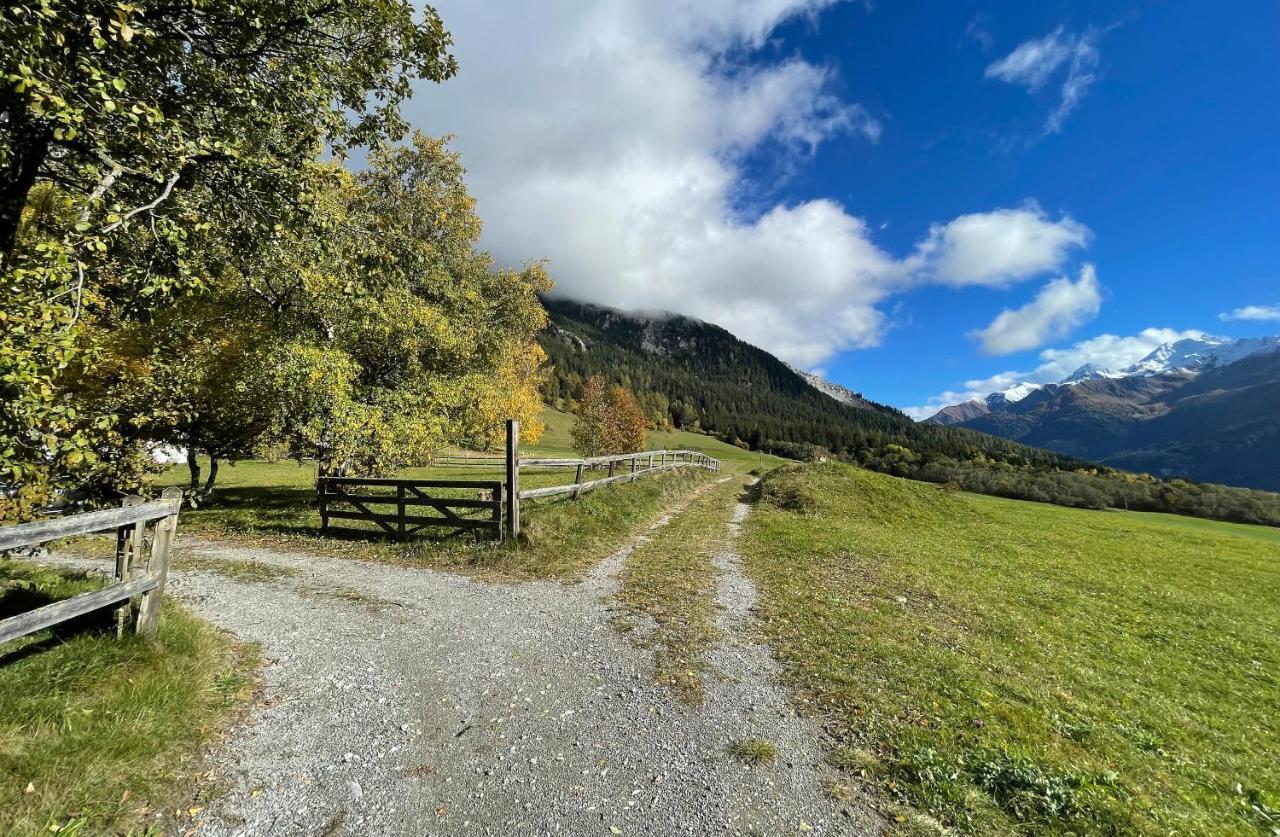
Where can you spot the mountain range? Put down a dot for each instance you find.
(695, 375)
(1207, 409)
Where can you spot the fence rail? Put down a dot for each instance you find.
(410, 496)
(140, 573)
(503, 496)
(666, 460)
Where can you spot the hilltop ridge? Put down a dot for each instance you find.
(1203, 408)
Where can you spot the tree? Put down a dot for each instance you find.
(368, 337)
(397, 336)
(131, 137)
(119, 102)
(626, 428)
(191, 378)
(608, 422)
(588, 430)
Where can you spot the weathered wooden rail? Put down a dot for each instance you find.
(656, 461)
(498, 501)
(633, 467)
(356, 502)
(140, 573)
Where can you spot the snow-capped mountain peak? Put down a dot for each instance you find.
(1090, 372)
(1193, 355)
(1189, 356)
(1013, 394)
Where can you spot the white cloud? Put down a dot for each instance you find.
(995, 248)
(1252, 312)
(1059, 308)
(1107, 351)
(611, 139)
(1032, 63)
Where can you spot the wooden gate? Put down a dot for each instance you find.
(357, 497)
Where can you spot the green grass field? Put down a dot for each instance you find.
(97, 734)
(1010, 667)
(274, 501)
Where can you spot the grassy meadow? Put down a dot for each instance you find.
(1012, 667)
(98, 734)
(274, 502)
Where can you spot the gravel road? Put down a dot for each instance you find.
(404, 701)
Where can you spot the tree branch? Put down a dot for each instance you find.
(114, 170)
(147, 207)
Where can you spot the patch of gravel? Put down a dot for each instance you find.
(405, 701)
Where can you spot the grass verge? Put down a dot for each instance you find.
(273, 504)
(1013, 667)
(754, 751)
(671, 580)
(98, 735)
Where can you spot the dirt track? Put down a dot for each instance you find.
(405, 701)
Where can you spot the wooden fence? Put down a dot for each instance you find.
(498, 501)
(355, 501)
(654, 461)
(625, 468)
(140, 573)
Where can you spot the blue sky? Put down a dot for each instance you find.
(864, 188)
(1171, 158)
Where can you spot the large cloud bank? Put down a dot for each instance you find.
(610, 138)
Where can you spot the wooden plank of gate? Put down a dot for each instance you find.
(384, 521)
(158, 568)
(129, 543)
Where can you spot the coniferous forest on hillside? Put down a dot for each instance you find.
(696, 376)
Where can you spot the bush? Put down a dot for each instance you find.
(783, 488)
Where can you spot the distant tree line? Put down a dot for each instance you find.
(1085, 488)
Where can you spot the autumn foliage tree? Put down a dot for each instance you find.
(132, 136)
(367, 338)
(609, 421)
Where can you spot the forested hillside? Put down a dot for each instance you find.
(697, 376)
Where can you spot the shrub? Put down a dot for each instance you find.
(783, 488)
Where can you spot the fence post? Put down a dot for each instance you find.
(513, 478)
(635, 463)
(158, 566)
(129, 540)
(322, 489)
(400, 511)
(577, 480)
